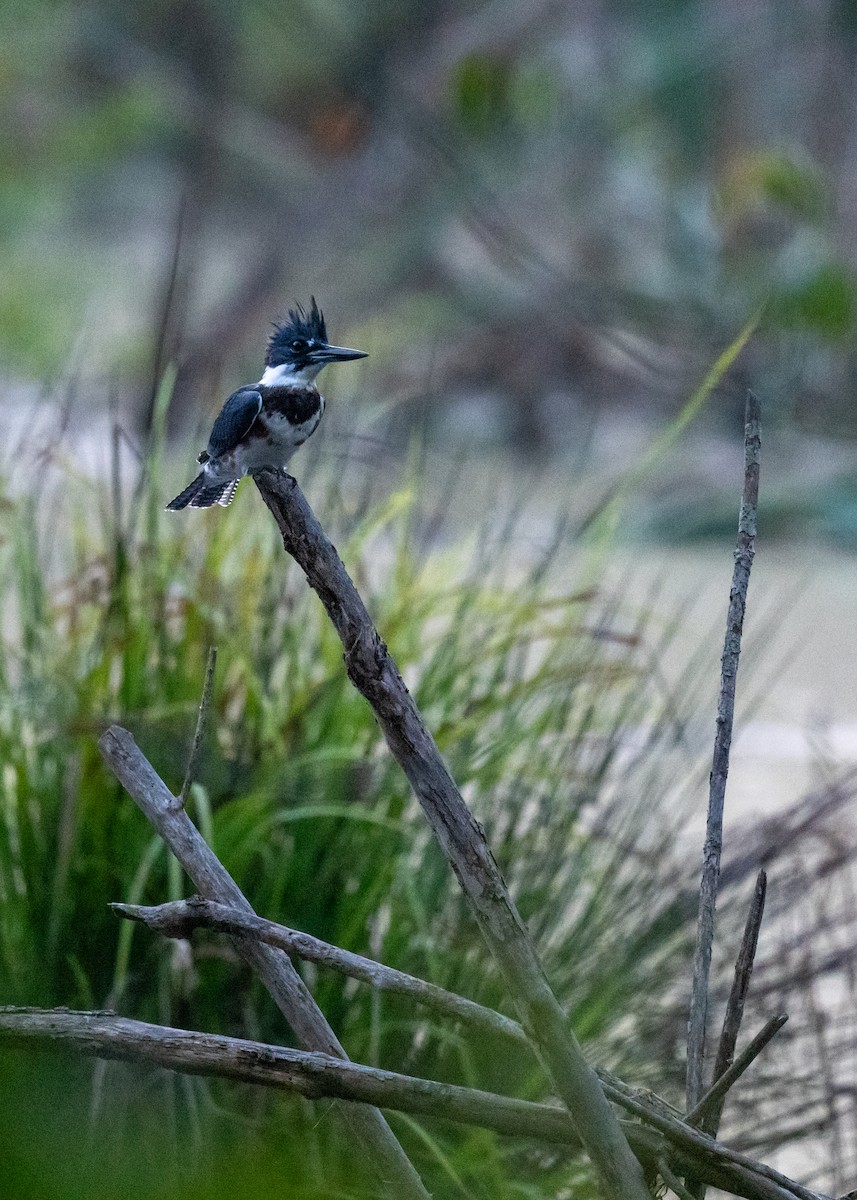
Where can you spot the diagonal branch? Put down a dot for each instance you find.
(179, 918)
(274, 968)
(316, 1075)
(744, 553)
(672, 1181)
(712, 1101)
(313, 1075)
(373, 672)
(734, 1014)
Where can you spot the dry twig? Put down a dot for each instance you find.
(179, 918)
(713, 1109)
(744, 554)
(373, 672)
(712, 1101)
(196, 746)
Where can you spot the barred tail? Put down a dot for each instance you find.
(200, 495)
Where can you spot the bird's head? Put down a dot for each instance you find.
(298, 348)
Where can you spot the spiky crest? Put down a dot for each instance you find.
(301, 326)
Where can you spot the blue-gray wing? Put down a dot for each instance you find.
(235, 419)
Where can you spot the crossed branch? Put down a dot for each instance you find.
(658, 1138)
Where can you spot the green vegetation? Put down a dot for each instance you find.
(526, 221)
(547, 700)
(530, 687)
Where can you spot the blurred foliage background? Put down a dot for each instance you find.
(527, 212)
(544, 221)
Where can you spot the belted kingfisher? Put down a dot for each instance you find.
(262, 425)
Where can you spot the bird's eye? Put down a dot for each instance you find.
(298, 345)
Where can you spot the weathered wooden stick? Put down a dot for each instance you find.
(744, 553)
(313, 1075)
(734, 1014)
(377, 1142)
(692, 1142)
(716, 1094)
(373, 672)
(317, 1075)
(179, 918)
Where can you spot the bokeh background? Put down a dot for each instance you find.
(532, 212)
(545, 222)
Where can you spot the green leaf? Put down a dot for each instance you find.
(771, 179)
(824, 303)
(481, 92)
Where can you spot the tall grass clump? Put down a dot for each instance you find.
(533, 686)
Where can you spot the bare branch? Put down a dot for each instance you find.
(274, 968)
(672, 1181)
(317, 1075)
(744, 553)
(373, 672)
(743, 974)
(204, 704)
(179, 918)
(693, 1142)
(313, 1075)
(712, 1110)
(713, 1099)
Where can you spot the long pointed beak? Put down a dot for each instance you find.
(329, 354)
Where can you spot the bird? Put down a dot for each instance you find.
(261, 425)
